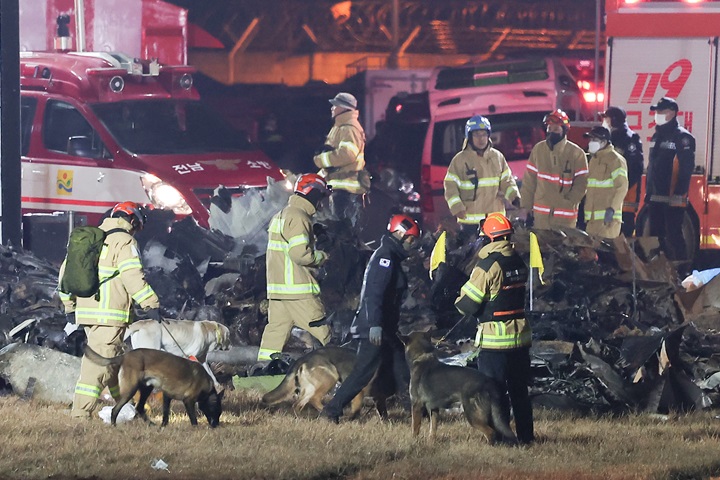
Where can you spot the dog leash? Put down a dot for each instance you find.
(464, 317)
(176, 342)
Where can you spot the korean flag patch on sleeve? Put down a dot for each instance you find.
(384, 262)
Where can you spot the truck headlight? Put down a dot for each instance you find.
(164, 196)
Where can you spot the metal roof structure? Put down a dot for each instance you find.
(486, 28)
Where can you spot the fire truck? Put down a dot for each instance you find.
(670, 49)
(102, 127)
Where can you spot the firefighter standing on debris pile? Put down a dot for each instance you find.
(495, 294)
(607, 185)
(292, 290)
(556, 177)
(478, 178)
(107, 314)
(376, 321)
(672, 160)
(342, 160)
(628, 144)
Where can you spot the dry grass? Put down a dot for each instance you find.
(253, 443)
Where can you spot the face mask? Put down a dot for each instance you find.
(606, 124)
(554, 137)
(660, 119)
(594, 146)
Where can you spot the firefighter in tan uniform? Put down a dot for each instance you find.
(556, 177)
(342, 160)
(607, 185)
(106, 318)
(495, 295)
(292, 290)
(478, 178)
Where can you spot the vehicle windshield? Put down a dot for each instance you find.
(167, 126)
(514, 134)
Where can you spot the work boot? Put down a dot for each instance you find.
(329, 416)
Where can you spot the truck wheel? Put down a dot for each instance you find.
(690, 229)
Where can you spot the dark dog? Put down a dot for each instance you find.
(312, 377)
(435, 385)
(178, 378)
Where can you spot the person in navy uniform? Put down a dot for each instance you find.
(672, 160)
(376, 322)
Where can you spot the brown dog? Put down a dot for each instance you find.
(435, 385)
(312, 377)
(178, 378)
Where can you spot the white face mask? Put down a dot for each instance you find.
(660, 119)
(606, 124)
(594, 146)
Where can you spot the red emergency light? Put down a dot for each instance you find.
(594, 97)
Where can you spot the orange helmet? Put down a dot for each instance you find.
(404, 224)
(134, 211)
(308, 182)
(496, 225)
(558, 117)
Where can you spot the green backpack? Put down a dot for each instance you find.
(81, 277)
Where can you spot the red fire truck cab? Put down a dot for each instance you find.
(98, 128)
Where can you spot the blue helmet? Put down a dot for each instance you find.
(477, 122)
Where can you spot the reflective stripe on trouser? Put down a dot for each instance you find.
(108, 342)
(283, 315)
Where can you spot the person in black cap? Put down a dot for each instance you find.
(672, 160)
(627, 143)
(607, 185)
(342, 160)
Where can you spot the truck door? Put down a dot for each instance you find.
(71, 168)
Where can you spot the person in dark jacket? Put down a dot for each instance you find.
(627, 143)
(672, 161)
(376, 322)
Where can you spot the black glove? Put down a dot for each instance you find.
(70, 317)
(516, 202)
(529, 220)
(154, 314)
(318, 323)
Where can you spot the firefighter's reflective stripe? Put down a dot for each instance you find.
(473, 218)
(143, 294)
(103, 315)
(499, 337)
(350, 184)
(114, 391)
(266, 354)
(473, 292)
(289, 287)
(325, 159)
(129, 264)
(354, 150)
(600, 215)
(87, 390)
(454, 200)
(545, 210)
(470, 185)
(64, 297)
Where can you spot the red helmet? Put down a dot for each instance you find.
(308, 182)
(496, 225)
(404, 224)
(558, 117)
(134, 211)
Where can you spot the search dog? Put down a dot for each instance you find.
(185, 338)
(178, 378)
(316, 373)
(435, 385)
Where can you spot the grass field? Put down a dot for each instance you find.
(252, 442)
